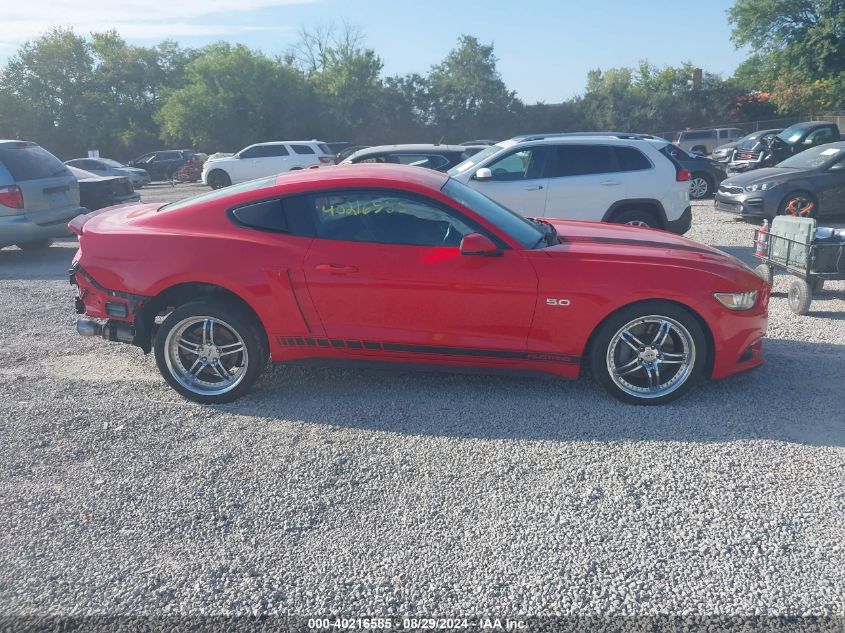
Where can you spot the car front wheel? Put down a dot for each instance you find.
(218, 179)
(649, 353)
(210, 352)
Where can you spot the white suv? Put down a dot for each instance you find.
(624, 178)
(265, 159)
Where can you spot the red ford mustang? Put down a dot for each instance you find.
(404, 265)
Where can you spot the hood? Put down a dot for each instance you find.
(617, 241)
(760, 175)
(606, 233)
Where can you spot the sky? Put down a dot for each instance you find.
(545, 47)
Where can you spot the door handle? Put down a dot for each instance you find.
(533, 187)
(337, 269)
(610, 183)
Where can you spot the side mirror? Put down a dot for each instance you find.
(840, 166)
(483, 174)
(478, 244)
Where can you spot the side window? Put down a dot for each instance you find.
(289, 215)
(378, 158)
(431, 161)
(386, 217)
(523, 164)
(269, 151)
(820, 136)
(302, 149)
(251, 152)
(582, 160)
(723, 134)
(631, 159)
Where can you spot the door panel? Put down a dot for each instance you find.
(585, 182)
(421, 295)
(386, 267)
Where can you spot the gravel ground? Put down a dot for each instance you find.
(378, 492)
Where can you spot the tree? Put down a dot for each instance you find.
(233, 97)
(801, 50)
(465, 95)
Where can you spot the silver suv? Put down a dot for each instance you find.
(38, 196)
(705, 141)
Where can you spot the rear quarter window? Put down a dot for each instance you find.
(31, 163)
(302, 149)
(631, 159)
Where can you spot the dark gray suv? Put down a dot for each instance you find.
(38, 196)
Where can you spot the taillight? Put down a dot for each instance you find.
(682, 175)
(11, 197)
(326, 160)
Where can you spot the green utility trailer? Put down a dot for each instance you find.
(810, 254)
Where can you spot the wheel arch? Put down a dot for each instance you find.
(708, 333)
(649, 204)
(180, 294)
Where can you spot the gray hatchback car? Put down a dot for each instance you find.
(38, 196)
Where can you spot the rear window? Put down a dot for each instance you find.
(302, 149)
(31, 163)
(697, 136)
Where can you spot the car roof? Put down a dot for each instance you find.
(364, 174)
(598, 139)
(283, 142)
(413, 147)
(14, 143)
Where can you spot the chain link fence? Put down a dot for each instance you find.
(766, 124)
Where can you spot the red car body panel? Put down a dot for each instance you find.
(528, 309)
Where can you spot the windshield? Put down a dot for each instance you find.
(792, 134)
(474, 160)
(813, 157)
(749, 142)
(517, 227)
(110, 162)
(250, 185)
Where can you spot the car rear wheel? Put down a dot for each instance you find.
(800, 204)
(636, 217)
(649, 353)
(37, 245)
(700, 187)
(218, 179)
(210, 352)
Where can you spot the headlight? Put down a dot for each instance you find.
(762, 186)
(737, 300)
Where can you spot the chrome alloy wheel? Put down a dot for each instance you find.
(650, 356)
(206, 355)
(698, 188)
(638, 223)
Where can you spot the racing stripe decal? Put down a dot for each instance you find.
(408, 348)
(632, 242)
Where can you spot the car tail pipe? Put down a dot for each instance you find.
(117, 331)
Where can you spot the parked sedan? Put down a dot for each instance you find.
(96, 192)
(392, 264)
(438, 157)
(705, 173)
(809, 184)
(108, 167)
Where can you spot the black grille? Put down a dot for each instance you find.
(730, 190)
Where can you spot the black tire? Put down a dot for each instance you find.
(800, 296)
(607, 339)
(804, 202)
(217, 179)
(767, 273)
(817, 286)
(637, 217)
(703, 190)
(228, 317)
(38, 245)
